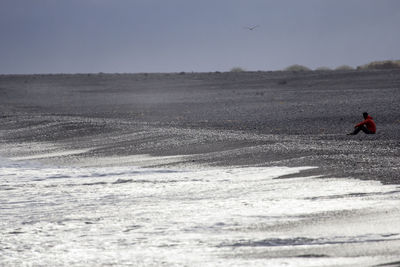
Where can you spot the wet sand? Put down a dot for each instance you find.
(214, 119)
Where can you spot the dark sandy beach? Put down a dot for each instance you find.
(217, 119)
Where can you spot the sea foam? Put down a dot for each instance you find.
(207, 216)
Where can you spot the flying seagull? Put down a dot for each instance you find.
(250, 28)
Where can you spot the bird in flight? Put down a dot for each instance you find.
(251, 28)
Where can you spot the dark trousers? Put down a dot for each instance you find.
(361, 128)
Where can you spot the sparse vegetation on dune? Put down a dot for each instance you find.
(384, 64)
(237, 69)
(297, 67)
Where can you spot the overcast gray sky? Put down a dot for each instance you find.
(71, 36)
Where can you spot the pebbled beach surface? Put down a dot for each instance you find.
(213, 119)
(186, 169)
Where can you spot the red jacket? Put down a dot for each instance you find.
(369, 123)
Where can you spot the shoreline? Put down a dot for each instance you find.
(236, 215)
(237, 169)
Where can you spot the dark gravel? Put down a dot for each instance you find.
(220, 119)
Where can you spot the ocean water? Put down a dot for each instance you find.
(131, 216)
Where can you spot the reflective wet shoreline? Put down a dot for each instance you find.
(120, 216)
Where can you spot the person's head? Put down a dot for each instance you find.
(365, 115)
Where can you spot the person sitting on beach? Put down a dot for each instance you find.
(368, 126)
